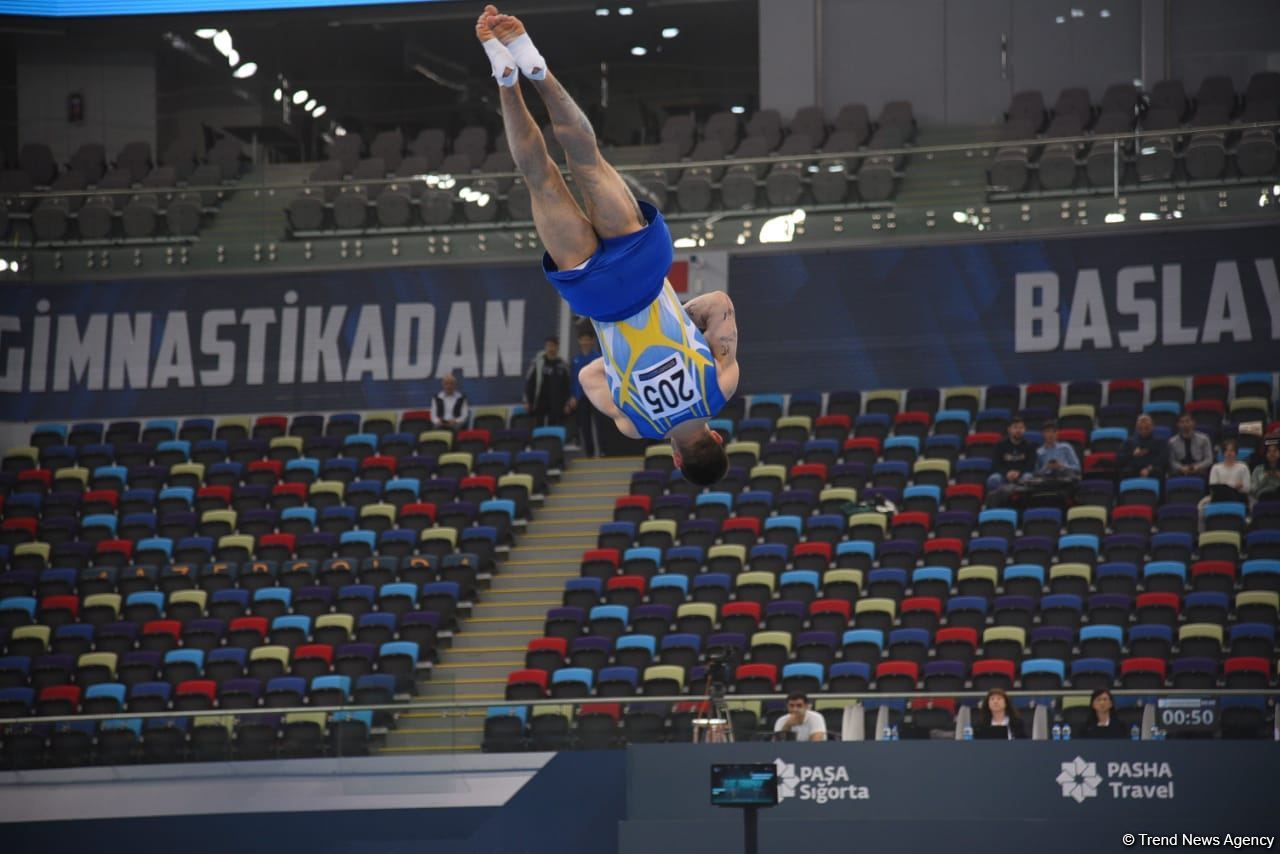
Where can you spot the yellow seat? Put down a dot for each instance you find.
(733, 551)
(893, 394)
(24, 452)
(780, 472)
(804, 422)
(1200, 630)
(517, 480)
(336, 488)
(98, 659)
(927, 465)
(293, 443)
(373, 419)
(223, 517)
(1014, 634)
(662, 450)
(1078, 410)
(110, 601)
(765, 578)
(842, 576)
(241, 422)
(198, 598)
(36, 632)
(433, 437)
(751, 449)
(659, 526)
(837, 493)
(70, 473)
(236, 541)
(782, 639)
(270, 653)
(385, 511)
(317, 718)
(1179, 383)
(1069, 570)
(195, 470)
(875, 604)
(981, 573)
(39, 549)
(876, 520)
(450, 535)
(1219, 538)
(665, 671)
(342, 621)
(1087, 511)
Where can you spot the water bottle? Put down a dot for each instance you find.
(967, 733)
(893, 733)
(1159, 734)
(1057, 732)
(1066, 732)
(1135, 734)
(888, 734)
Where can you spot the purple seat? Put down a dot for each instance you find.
(882, 493)
(735, 642)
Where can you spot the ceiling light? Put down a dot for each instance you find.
(1077, 13)
(1105, 13)
(1060, 20)
(685, 243)
(339, 131)
(4, 265)
(960, 217)
(1148, 216)
(737, 109)
(310, 105)
(206, 33)
(1114, 218)
(233, 57)
(300, 97)
(222, 42)
(602, 12)
(277, 95)
(625, 10)
(246, 71)
(639, 50)
(319, 111)
(670, 32)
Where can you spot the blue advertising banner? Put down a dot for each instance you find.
(351, 339)
(1132, 305)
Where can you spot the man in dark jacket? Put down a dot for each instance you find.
(1143, 455)
(1014, 460)
(588, 420)
(547, 385)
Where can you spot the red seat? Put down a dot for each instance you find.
(61, 603)
(1158, 600)
(863, 443)
(416, 415)
(28, 525)
(964, 490)
(479, 481)
(818, 470)
(481, 436)
(949, 545)
(912, 417)
(378, 461)
(957, 634)
(249, 624)
(296, 490)
(1131, 511)
(767, 672)
(612, 710)
(1247, 664)
(738, 609)
(121, 547)
(741, 523)
(1100, 462)
(641, 501)
(1200, 381)
(1214, 567)
(101, 496)
(999, 666)
(834, 421)
(898, 668)
(1054, 389)
(173, 628)
(819, 548)
(69, 693)
(529, 677)
(44, 476)
(204, 687)
(559, 645)
(419, 508)
(1125, 385)
(1073, 436)
(606, 555)
(629, 582)
(922, 603)
(1143, 665)
(275, 467)
(831, 606)
(980, 440)
(912, 517)
(215, 492)
(286, 541)
(1214, 406)
(314, 650)
(280, 422)
(933, 703)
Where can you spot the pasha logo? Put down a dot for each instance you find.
(818, 783)
(1079, 780)
(1138, 781)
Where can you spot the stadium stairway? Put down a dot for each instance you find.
(491, 640)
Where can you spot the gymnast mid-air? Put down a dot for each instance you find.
(666, 368)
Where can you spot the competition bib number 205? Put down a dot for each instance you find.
(666, 388)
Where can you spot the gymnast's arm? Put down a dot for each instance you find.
(596, 388)
(713, 315)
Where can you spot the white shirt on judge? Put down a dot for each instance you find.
(813, 723)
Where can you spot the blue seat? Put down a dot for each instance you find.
(792, 523)
(871, 636)
(99, 520)
(366, 538)
(707, 499)
(718, 580)
(1094, 665)
(520, 712)
(304, 464)
(959, 415)
(404, 484)
(499, 505)
(912, 443)
(1044, 665)
(393, 648)
(1051, 515)
(608, 612)
(919, 637)
(1078, 541)
(800, 576)
(967, 603)
(283, 595)
(399, 588)
(811, 669)
(300, 622)
(643, 553)
(1000, 515)
(995, 544)
(932, 573)
(673, 580)
(154, 598)
(645, 642)
(1165, 567)
(181, 494)
(155, 544)
(926, 490)
(679, 640)
(856, 547)
(859, 669)
(1111, 633)
(1151, 631)
(306, 514)
(332, 682)
(1108, 434)
(573, 674)
(620, 673)
(1258, 568)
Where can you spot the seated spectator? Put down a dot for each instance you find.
(997, 718)
(1229, 479)
(1265, 485)
(1055, 461)
(1013, 460)
(800, 720)
(449, 406)
(1102, 723)
(1143, 455)
(1190, 451)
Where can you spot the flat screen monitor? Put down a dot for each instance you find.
(744, 785)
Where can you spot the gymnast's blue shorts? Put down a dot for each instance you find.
(624, 275)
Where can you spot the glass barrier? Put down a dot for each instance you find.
(353, 212)
(287, 726)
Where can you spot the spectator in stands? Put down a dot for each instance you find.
(449, 407)
(997, 717)
(1057, 467)
(1013, 461)
(547, 386)
(1143, 455)
(1102, 723)
(1265, 485)
(1229, 479)
(800, 720)
(587, 415)
(1190, 452)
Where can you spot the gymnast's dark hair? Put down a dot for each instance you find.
(704, 462)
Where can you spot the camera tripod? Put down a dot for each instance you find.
(717, 726)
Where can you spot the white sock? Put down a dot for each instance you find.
(531, 63)
(502, 61)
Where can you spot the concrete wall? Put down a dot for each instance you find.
(119, 91)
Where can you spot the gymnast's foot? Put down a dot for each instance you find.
(510, 31)
(500, 58)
